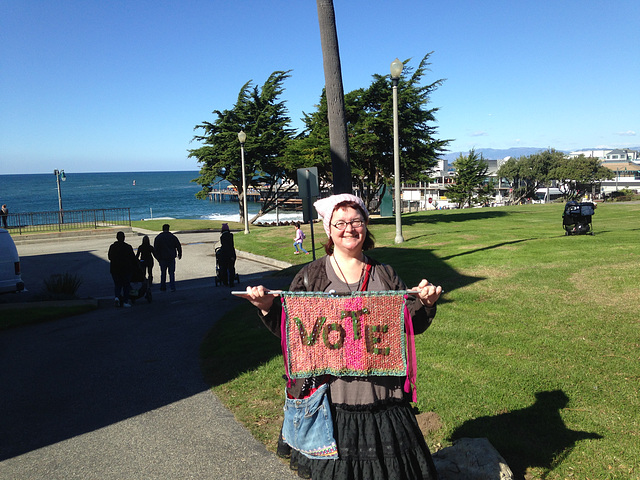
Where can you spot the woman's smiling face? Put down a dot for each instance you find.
(350, 239)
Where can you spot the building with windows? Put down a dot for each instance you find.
(621, 155)
(616, 155)
(627, 175)
(624, 162)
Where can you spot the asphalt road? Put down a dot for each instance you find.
(118, 393)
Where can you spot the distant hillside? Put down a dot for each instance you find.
(607, 148)
(498, 154)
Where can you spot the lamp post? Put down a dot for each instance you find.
(242, 137)
(59, 176)
(396, 70)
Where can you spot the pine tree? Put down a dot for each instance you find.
(470, 176)
(261, 114)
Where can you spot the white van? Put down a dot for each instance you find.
(10, 279)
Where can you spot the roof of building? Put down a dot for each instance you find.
(622, 166)
(621, 151)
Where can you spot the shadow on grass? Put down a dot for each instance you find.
(534, 436)
(413, 265)
(490, 247)
(444, 216)
(239, 342)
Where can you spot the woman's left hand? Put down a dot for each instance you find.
(428, 292)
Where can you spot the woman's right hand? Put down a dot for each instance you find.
(259, 297)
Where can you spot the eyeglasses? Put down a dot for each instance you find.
(341, 224)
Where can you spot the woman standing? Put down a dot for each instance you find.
(374, 427)
(145, 254)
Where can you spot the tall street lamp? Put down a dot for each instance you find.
(242, 137)
(59, 176)
(396, 70)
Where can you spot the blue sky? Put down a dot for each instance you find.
(89, 86)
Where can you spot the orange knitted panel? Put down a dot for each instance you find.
(358, 335)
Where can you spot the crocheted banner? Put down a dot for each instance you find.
(358, 335)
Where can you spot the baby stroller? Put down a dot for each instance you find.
(140, 286)
(226, 267)
(576, 218)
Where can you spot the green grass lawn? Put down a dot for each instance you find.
(535, 344)
(185, 225)
(17, 317)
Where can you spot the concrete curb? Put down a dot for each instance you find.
(68, 235)
(264, 260)
(50, 303)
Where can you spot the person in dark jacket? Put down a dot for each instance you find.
(122, 264)
(375, 429)
(167, 247)
(5, 216)
(145, 254)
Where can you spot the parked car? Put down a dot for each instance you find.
(10, 278)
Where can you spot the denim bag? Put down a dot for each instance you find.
(308, 426)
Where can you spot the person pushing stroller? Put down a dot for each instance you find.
(226, 256)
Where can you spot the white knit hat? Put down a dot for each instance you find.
(326, 206)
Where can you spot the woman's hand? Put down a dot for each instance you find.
(259, 297)
(428, 292)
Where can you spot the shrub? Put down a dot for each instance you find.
(623, 195)
(63, 285)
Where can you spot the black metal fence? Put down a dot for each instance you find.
(67, 220)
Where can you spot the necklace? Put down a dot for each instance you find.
(345, 278)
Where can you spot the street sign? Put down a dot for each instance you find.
(308, 185)
(309, 191)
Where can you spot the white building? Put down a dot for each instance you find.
(590, 153)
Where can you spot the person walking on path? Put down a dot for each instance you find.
(145, 254)
(299, 238)
(122, 264)
(5, 215)
(167, 247)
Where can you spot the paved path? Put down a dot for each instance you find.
(118, 393)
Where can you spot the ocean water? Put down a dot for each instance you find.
(147, 194)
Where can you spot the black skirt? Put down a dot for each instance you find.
(381, 442)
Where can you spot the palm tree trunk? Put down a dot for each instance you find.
(335, 98)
